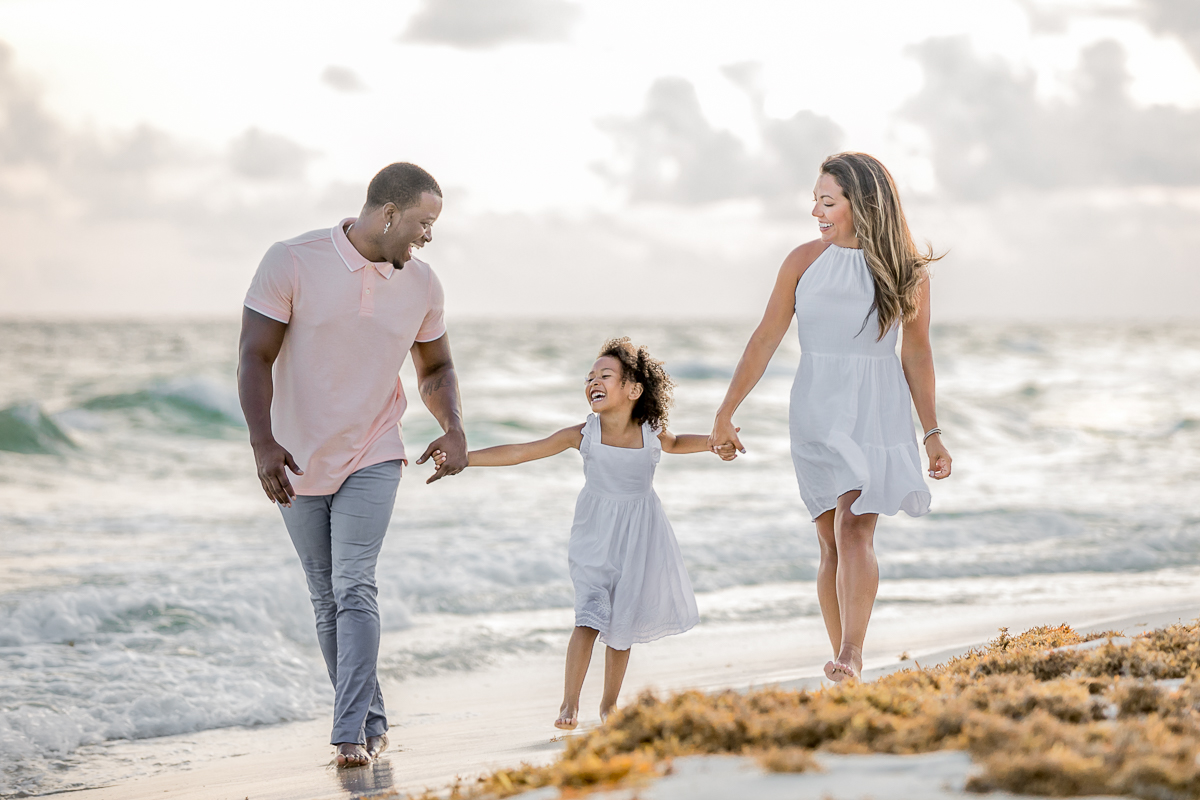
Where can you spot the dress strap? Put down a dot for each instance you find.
(650, 441)
(591, 433)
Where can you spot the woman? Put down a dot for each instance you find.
(853, 443)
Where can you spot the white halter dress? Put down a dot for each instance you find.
(630, 582)
(850, 415)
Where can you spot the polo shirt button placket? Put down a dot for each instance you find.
(367, 307)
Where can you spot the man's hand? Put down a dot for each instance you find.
(449, 453)
(439, 390)
(261, 339)
(272, 460)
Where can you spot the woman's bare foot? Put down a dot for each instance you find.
(838, 672)
(351, 754)
(568, 718)
(376, 745)
(847, 666)
(606, 711)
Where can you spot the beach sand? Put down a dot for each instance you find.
(467, 723)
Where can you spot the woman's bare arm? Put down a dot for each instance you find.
(762, 345)
(505, 455)
(916, 356)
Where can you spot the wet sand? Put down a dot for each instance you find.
(465, 724)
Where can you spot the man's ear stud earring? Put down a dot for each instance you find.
(386, 225)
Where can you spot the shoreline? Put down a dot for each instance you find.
(468, 724)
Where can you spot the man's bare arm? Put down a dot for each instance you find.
(439, 391)
(261, 340)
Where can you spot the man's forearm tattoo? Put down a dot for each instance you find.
(437, 382)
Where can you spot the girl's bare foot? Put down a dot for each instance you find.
(568, 718)
(376, 745)
(351, 754)
(605, 712)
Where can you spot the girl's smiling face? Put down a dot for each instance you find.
(606, 389)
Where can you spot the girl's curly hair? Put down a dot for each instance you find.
(639, 366)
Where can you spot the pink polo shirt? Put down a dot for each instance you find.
(351, 322)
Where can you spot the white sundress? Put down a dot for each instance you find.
(850, 418)
(630, 582)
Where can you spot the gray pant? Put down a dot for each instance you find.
(338, 537)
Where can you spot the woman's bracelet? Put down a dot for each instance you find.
(929, 433)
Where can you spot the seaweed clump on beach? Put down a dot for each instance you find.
(1040, 713)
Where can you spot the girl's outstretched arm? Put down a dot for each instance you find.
(505, 455)
(683, 442)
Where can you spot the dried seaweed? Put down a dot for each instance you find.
(1038, 715)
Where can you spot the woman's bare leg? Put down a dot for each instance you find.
(579, 656)
(615, 662)
(857, 582)
(827, 580)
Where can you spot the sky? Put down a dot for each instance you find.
(619, 157)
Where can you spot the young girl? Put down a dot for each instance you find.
(630, 582)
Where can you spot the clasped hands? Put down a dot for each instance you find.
(724, 440)
(449, 454)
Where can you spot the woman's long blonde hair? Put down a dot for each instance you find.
(897, 267)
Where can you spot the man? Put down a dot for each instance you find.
(334, 312)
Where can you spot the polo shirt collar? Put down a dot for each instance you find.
(353, 259)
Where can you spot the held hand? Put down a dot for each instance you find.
(271, 460)
(449, 453)
(724, 440)
(727, 452)
(939, 458)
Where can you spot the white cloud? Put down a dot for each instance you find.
(1179, 18)
(673, 154)
(481, 24)
(268, 156)
(137, 221)
(990, 132)
(342, 79)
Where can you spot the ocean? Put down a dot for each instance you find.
(148, 588)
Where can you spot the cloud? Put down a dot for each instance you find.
(138, 221)
(342, 79)
(991, 132)
(673, 154)
(138, 173)
(45, 164)
(268, 156)
(481, 24)
(1180, 18)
